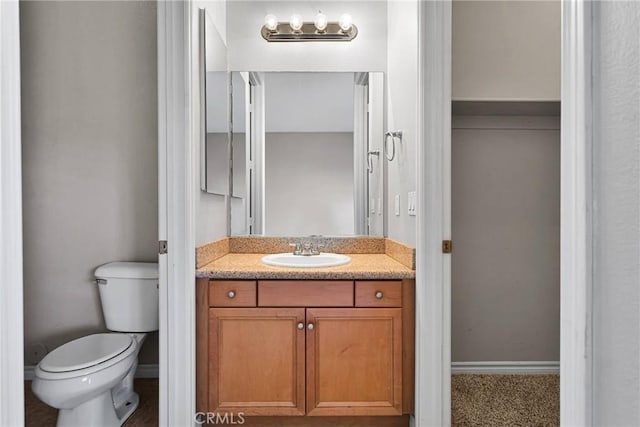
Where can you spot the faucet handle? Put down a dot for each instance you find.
(297, 249)
(316, 248)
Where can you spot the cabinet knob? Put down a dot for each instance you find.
(310, 326)
(379, 295)
(300, 325)
(231, 294)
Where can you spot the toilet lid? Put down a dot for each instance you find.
(86, 351)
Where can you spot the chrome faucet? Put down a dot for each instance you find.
(297, 248)
(307, 248)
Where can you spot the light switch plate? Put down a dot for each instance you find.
(397, 205)
(411, 202)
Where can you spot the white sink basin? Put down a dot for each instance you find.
(303, 261)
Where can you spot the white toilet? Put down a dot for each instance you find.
(90, 379)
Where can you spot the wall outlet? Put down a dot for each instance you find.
(397, 205)
(411, 203)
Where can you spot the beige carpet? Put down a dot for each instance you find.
(505, 400)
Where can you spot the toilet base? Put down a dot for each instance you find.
(99, 412)
(128, 408)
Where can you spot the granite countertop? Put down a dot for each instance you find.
(249, 266)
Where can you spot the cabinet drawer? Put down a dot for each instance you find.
(379, 293)
(305, 293)
(232, 293)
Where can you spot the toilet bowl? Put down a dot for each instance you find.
(90, 379)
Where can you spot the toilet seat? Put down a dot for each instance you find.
(86, 352)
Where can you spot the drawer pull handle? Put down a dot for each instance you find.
(379, 295)
(231, 294)
(310, 326)
(301, 325)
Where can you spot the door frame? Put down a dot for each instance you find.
(178, 184)
(11, 283)
(576, 305)
(433, 279)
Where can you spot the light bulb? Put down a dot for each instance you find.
(296, 22)
(345, 22)
(321, 22)
(271, 22)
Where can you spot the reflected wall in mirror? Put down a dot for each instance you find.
(306, 154)
(215, 100)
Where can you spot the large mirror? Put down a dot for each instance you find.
(307, 154)
(215, 103)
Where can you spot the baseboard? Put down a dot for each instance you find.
(522, 368)
(150, 371)
(143, 371)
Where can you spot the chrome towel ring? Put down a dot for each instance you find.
(393, 135)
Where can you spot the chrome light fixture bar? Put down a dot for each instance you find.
(319, 31)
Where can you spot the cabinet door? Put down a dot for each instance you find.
(256, 361)
(354, 361)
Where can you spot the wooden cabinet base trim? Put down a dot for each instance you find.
(374, 421)
(267, 411)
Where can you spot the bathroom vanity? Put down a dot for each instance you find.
(282, 342)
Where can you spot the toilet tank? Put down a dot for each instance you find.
(129, 295)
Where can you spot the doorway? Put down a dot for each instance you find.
(505, 160)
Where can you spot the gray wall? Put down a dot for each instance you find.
(506, 50)
(217, 162)
(89, 123)
(506, 234)
(309, 184)
(401, 108)
(616, 251)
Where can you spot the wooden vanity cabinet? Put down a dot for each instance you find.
(348, 354)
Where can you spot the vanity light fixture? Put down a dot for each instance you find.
(321, 22)
(298, 30)
(296, 23)
(271, 22)
(345, 22)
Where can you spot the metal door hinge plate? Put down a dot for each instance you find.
(447, 246)
(162, 247)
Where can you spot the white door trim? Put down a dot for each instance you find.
(575, 220)
(178, 136)
(11, 308)
(433, 276)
